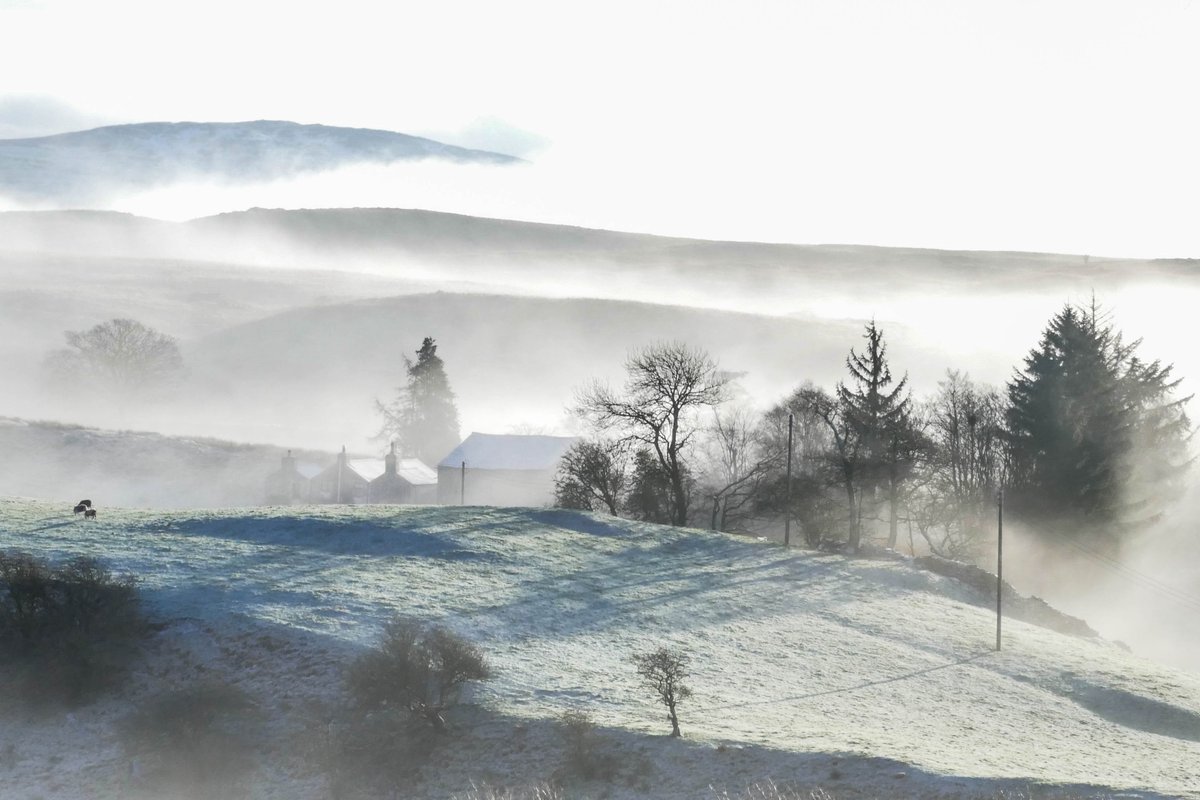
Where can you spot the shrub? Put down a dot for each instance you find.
(66, 632)
(397, 691)
(584, 757)
(416, 669)
(192, 742)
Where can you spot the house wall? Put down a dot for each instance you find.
(394, 489)
(285, 487)
(494, 487)
(325, 487)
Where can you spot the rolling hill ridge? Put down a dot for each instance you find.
(85, 166)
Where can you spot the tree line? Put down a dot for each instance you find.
(1087, 439)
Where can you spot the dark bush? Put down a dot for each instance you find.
(66, 632)
(585, 756)
(399, 694)
(416, 669)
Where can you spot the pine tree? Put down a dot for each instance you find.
(879, 417)
(1096, 438)
(423, 418)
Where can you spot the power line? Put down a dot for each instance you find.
(1134, 576)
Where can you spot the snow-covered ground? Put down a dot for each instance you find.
(871, 678)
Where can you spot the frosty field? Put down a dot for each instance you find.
(870, 677)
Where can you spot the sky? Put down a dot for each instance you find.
(975, 124)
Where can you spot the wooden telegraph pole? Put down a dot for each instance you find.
(999, 560)
(462, 485)
(787, 503)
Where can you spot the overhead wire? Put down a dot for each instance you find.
(1135, 576)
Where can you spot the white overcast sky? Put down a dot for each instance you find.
(1041, 125)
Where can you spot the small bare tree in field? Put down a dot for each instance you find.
(665, 671)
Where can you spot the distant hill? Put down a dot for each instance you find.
(134, 468)
(86, 165)
(543, 257)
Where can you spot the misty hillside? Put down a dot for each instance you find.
(515, 361)
(87, 165)
(399, 239)
(511, 361)
(868, 678)
(42, 295)
(133, 468)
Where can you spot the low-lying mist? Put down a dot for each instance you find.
(293, 324)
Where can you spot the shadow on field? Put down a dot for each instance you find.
(368, 537)
(505, 752)
(691, 575)
(1131, 710)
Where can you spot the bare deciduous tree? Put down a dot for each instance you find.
(592, 474)
(845, 457)
(738, 459)
(953, 510)
(665, 671)
(666, 385)
(122, 355)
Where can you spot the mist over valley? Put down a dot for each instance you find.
(528, 402)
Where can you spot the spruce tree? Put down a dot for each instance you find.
(879, 416)
(1097, 440)
(423, 419)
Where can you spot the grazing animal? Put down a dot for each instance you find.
(91, 512)
(81, 508)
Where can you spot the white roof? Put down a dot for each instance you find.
(308, 469)
(416, 472)
(367, 468)
(509, 451)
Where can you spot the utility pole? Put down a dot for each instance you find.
(462, 485)
(340, 468)
(999, 560)
(787, 503)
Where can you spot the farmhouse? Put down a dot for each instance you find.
(292, 482)
(347, 480)
(375, 480)
(404, 480)
(501, 470)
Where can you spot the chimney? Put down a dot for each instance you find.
(389, 461)
(289, 463)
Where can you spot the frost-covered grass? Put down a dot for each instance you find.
(799, 660)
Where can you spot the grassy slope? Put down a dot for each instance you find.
(797, 656)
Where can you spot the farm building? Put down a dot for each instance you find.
(347, 480)
(375, 480)
(292, 482)
(404, 480)
(501, 470)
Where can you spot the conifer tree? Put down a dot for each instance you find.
(879, 417)
(1096, 437)
(423, 418)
